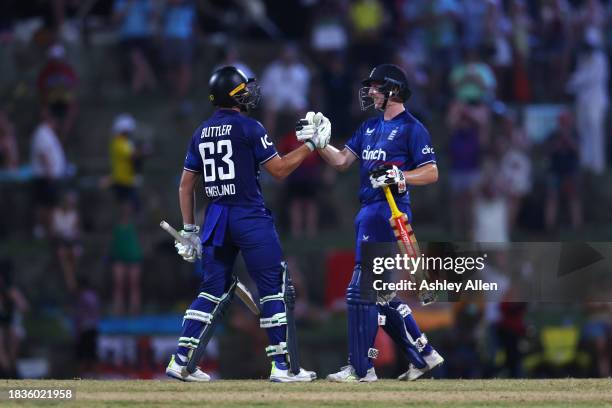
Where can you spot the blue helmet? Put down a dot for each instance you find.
(392, 82)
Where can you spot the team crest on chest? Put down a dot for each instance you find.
(392, 135)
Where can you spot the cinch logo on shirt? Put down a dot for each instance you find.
(427, 150)
(378, 154)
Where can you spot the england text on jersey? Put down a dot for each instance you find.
(218, 191)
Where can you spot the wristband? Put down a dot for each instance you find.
(310, 145)
(190, 227)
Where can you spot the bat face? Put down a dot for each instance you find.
(407, 242)
(243, 293)
(404, 235)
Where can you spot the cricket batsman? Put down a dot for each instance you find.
(395, 150)
(226, 151)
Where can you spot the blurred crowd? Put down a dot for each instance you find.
(514, 93)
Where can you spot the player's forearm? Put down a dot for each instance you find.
(421, 176)
(187, 198)
(335, 158)
(187, 203)
(290, 162)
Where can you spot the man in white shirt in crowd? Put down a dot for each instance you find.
(48, 166)
(590, 85)
(285, 86)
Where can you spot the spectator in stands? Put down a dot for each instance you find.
(125, 157)
(444, 43)
(86, 319)
(473, 81)
(498, 30)
(329, 33)
(57, 84)
(597, 333)
(285, 85)
(419, 80)
(65, 19)
(178, 22)
(474, 87)
(590, 15)
(521, 32)
(514, 165)
(12, 305)
(466, 333)
(465, 149)
(510, 330)
(490, 210)
(65, 230)
(473, 23)
(301, 189)
(9, 155)
(336, 91)
(554, 32)
(136, 19)
(564, 172)
(126, 255)
(367, 20)
(413, 20)
(48, 166)
(589, 83)
(230, 56)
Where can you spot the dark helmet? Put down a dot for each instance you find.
(229, 87)
(393, 83)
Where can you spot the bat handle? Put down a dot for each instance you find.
(395, 212)
(168, 228)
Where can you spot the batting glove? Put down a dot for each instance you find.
(191, 247)
(306, 131)
(323, 126)
(388, 175)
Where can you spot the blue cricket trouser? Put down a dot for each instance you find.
(227, 231)
(372, 225)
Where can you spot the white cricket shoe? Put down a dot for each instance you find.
(348, 374)
(177, 371)
(433, 360)
(278, 374)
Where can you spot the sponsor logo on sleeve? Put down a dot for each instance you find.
(428, 150)
(265, 141)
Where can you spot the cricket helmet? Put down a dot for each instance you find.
(229, 87)
(392, 82)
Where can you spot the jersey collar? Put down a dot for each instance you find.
(225, 111)
(396, 117)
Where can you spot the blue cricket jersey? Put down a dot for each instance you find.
(227, 149)
(402, 141)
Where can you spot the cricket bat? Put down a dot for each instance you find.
(407, 242)
(241, 291)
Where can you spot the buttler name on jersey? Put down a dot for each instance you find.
(215, 131)
(223, 172)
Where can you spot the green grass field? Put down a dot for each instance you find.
(426, 393)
